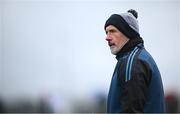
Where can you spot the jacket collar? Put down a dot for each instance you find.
(129, 46)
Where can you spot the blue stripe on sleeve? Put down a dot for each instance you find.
(129, 63)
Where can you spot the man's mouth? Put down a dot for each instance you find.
(111, 44)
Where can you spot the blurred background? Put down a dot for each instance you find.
(54, 57)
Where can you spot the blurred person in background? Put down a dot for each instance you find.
(2, 106)
(136, 84)
(172, 102)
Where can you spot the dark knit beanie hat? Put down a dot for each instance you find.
(126, 23)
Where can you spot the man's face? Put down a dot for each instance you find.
(116, 39)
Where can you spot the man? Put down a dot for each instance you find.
(136, 85)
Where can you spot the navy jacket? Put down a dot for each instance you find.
(136, 85)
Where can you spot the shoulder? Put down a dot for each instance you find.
(144, 57)
(142, 60)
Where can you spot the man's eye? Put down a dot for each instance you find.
(112, 31)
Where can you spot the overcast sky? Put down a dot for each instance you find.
(59, 46)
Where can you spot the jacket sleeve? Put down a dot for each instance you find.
(134, 91)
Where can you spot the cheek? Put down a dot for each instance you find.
(118, 41)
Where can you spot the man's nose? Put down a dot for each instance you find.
(108, 37)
